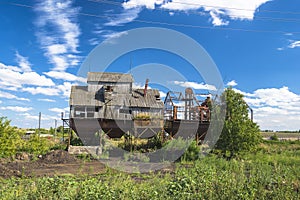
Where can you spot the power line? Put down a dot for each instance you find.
(176, 24)
(295, 20)
(203, 5)
(291, 20)
(196, 26)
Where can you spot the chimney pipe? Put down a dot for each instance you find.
(146, 86)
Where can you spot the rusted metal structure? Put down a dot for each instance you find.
(109, 103)
(186, 112)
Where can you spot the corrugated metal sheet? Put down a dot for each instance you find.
(109, 77)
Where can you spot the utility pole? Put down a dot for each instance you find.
(55, 128)
(63, 128)
(40, 116)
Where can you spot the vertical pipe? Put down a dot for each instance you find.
(175, 112)
(146, 87)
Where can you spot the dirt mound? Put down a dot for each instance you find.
(58, 157)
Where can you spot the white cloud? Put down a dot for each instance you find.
(23, 63)
(162, 94)
(126, 16)
(44, 117)
(280, 48)
(0, 101)
(111, 36)
(194, 85)
(60, 110)
(16, 108)
(275, 108)
(108, 35)
(11, 96)
(42, 90)
(150, 4)
(216, 19)
(58, 32)
(47, 100)
(14, 77)
(218, 9)
(64, 76)
(56, 49)
(29, 116)
(65, 88)
(294, 44)
(232, 83)
(94, 41)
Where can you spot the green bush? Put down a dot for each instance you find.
(10, 139)
(36, 145)
(12, 142)
(274, 137)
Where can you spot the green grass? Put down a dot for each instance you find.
(271, 173)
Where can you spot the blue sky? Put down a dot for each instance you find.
(255, 45)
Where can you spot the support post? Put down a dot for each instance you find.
(40, 116)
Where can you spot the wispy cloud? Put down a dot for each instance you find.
(23, 63)
(59, 110)
(108, 36)
(42, 90)
(47, 100)
(16, 108)
(64, 76)
(58, 32)
(44, 117)
(126, 16)
(62, 90)
(7, 95)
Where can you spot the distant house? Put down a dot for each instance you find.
(110, 98)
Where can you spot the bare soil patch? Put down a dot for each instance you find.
(56, 162)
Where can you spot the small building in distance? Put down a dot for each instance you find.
(109, 103)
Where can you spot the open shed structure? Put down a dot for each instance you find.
(109, 103)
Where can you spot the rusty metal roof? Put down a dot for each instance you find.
(109, 77)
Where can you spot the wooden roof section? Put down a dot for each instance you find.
(80, 96)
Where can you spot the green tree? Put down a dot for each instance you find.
(239, 133)
(10, 138)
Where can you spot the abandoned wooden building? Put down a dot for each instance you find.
(109, 103)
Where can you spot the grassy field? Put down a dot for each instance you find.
(281, 134)
(270, 173)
